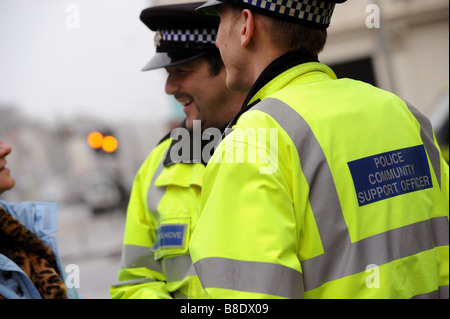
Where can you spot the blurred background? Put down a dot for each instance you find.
(72, 67)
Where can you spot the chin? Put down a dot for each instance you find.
(190, 123)
(236, 86)
(7, 186)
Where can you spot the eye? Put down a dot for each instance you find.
(179, 71)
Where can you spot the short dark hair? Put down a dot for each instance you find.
(293, 36)
(215, 62)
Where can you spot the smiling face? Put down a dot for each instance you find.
(6, 180)
(203, 95)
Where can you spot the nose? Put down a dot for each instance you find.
(5, 149)
(172, 85)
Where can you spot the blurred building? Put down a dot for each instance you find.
(399, 45)
(55, 163)
(404, 44)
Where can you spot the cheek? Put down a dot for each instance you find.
(219, 42)
(223, 37)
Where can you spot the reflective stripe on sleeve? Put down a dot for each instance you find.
(258, 277)
(139, 256)
(132, 282)
(155, 194)
(316, 170)
(426, 133)
(354, 258)
(177, 268)
(441, 293)
(174, 268)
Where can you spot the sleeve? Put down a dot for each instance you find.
(38, 217)
(445, 182)
(245, 243)
(140, 276)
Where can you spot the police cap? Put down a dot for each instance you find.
(314, 13)
(182, 34)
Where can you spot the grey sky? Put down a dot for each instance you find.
(59, 58)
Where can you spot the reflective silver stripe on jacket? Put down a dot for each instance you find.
(139, 256)
(174, 268)
(258, 277)
(426, 133)
(135, 257)
(155, 194)
(441, 293)
(177, 268)
(341, 257)
(132, 282)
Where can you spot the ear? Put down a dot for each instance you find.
(248, 27)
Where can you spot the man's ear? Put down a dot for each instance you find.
(248, 27)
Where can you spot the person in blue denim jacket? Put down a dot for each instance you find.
(30, 267)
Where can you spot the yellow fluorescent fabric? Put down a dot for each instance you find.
(298, 212)
(152, 270)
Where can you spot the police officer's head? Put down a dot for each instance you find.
(291, 19)
(185, 47)
(181, 34)
(313, 13)
(289, 25)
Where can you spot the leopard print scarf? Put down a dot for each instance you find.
(32, 255)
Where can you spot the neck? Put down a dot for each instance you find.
(260, 62)
(275, 68)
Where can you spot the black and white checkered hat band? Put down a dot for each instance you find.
(189, 35)
(315, 11)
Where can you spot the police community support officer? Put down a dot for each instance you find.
(165, 199)
(349, 200)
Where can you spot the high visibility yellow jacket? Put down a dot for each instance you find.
(326, 188)
(162, 213)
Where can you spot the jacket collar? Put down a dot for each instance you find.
(273, 70)
(194, 143)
